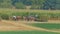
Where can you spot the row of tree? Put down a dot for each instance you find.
(20, 4)
(35, 4)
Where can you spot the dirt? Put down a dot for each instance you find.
(14, 25)
(54, 21)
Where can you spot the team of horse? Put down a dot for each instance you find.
(26, 18)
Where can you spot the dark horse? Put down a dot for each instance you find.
(27, 18)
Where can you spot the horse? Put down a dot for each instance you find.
(18, 17)
(31, 18)
(25, 18)
(15, 18)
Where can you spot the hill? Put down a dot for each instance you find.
(20, 4)
(33, 4)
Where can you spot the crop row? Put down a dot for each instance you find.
(45, 16)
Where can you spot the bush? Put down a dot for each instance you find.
(5, 16)
(44, 18)
(53, 16)
(20, 14)
(19, 5)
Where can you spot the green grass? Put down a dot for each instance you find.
(46, 25)
(22, 12)
(27, 32)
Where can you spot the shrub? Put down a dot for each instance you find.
(53, 16)
(44, 18)
(5, 16)
(20, 14)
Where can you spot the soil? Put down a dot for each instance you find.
(14, 25)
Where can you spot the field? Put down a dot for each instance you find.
(46, 14)
(47, 25)
(14, 27)
(29, 27)
(27, 32)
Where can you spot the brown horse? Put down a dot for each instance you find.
(18, 17)
(32, 18)
(29, 18)
(25, 18)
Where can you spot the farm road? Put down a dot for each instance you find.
(20, 26)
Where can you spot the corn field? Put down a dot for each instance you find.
(42, 14)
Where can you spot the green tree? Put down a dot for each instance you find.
(37, 4)
(5, 4)
(19, 5)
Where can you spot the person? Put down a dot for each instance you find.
(36, 16)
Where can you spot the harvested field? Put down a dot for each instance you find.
(14, 25)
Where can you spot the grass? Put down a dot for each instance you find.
(28, 32)
(46, 25)
(23, 12)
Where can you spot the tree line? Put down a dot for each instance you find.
(35, 4)
(20, 4)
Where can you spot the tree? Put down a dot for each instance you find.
(5, 4)
(19, 5)
(36, 4)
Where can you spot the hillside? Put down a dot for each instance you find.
(33, 4)
(20, 4)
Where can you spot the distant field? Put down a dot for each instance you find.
(24, 10)
(46, 25)
(46, 13)
(27, 32)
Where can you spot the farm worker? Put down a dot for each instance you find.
(14, 17)
(36, 16)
